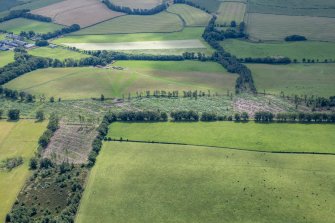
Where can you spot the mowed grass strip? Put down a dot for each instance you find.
(78, 83)
(57, 53)
(21, 24)
(295, 79)
(161, 22)
(312, 50)
(167, 183)
(248, 136)
(191, 15)
(6, 58)
(277, 27)
(230, 11)
(16, 139)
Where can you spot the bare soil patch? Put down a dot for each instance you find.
(82, 12)
(71, 143)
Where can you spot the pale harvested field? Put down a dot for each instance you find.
(82, 12)
(277, 27)
(231, 11)
(71, 143)
(138, 4)
(145, 45)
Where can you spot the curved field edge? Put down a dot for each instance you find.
(134, 182)
(274, 137)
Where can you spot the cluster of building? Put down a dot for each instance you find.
(12, 41)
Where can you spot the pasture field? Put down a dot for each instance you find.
(230, 11)
(248, 136)
(82, 12)
(295, 79)
(21, 24)
(324, 8)
(137, 76)
(208, 5)
(138, 4)
(185, 34)
(57, 53)
(150, 45)
(277, 27)
(167, 183)
(161, 22)
(312, 50)
(16, 139)
(6, 58)
(191, 15)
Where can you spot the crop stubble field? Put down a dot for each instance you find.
(167, 183)
(76, 83)
(16, 139)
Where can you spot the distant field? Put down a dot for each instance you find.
(210, 5)
(150, 45)
(324, 8)
(187, 33)
(56, 53)
(191, 15)
(162, 22)
(277, 27)
(300, 79)
(20, 24)
(230, 11)
(6, 58)
(82, 12)
(165, 183)
(264, 137)
(74, 83)
(294, 50)
(138, 4)
(16, 139)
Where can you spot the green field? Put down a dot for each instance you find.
(21, 24)
(76, 83)
(57, 53)
(185, 34)
(277, 27)
(324, 8)
(295, 79)
(230, 11)
(293, 50)
(165, 183)
(162, 22)
(6, 58)
(16, 139)
(192, 16)
(210, 5)
(248, 136)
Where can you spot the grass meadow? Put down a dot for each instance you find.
(277, 27)
(137, 76)
(16, 139)
(248, 136)
(21, 24)
(231, 11)
(293, 50)
(162, 22)
(166, 183)
(295, 79)
(191, 15)
(6, 58)
(57, 53)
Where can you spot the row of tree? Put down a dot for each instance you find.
(53, 125)
(130, 11)
(267, 60)
(24, 13)
(190, 3)
(16, 95)
(65, 30)
(317, 117)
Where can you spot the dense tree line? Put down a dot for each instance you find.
(16, 95)
(295, 38)
(178, 116)
(41, 43)
(53, 125)
(267, 60)
(65, 30)
(190, 4)
(315, 117)
(264, 116)
(130, 11)
(24, 13)
(141, 116)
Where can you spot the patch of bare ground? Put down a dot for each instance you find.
(71, 143)
(82, 12)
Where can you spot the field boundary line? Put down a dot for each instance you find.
(223, 147)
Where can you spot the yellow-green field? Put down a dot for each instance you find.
(16, 139)
(21, 24)
(230, 11)
(57, 53)
(191, 15)
(139, 183)
(6, 58)
(137, 76)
